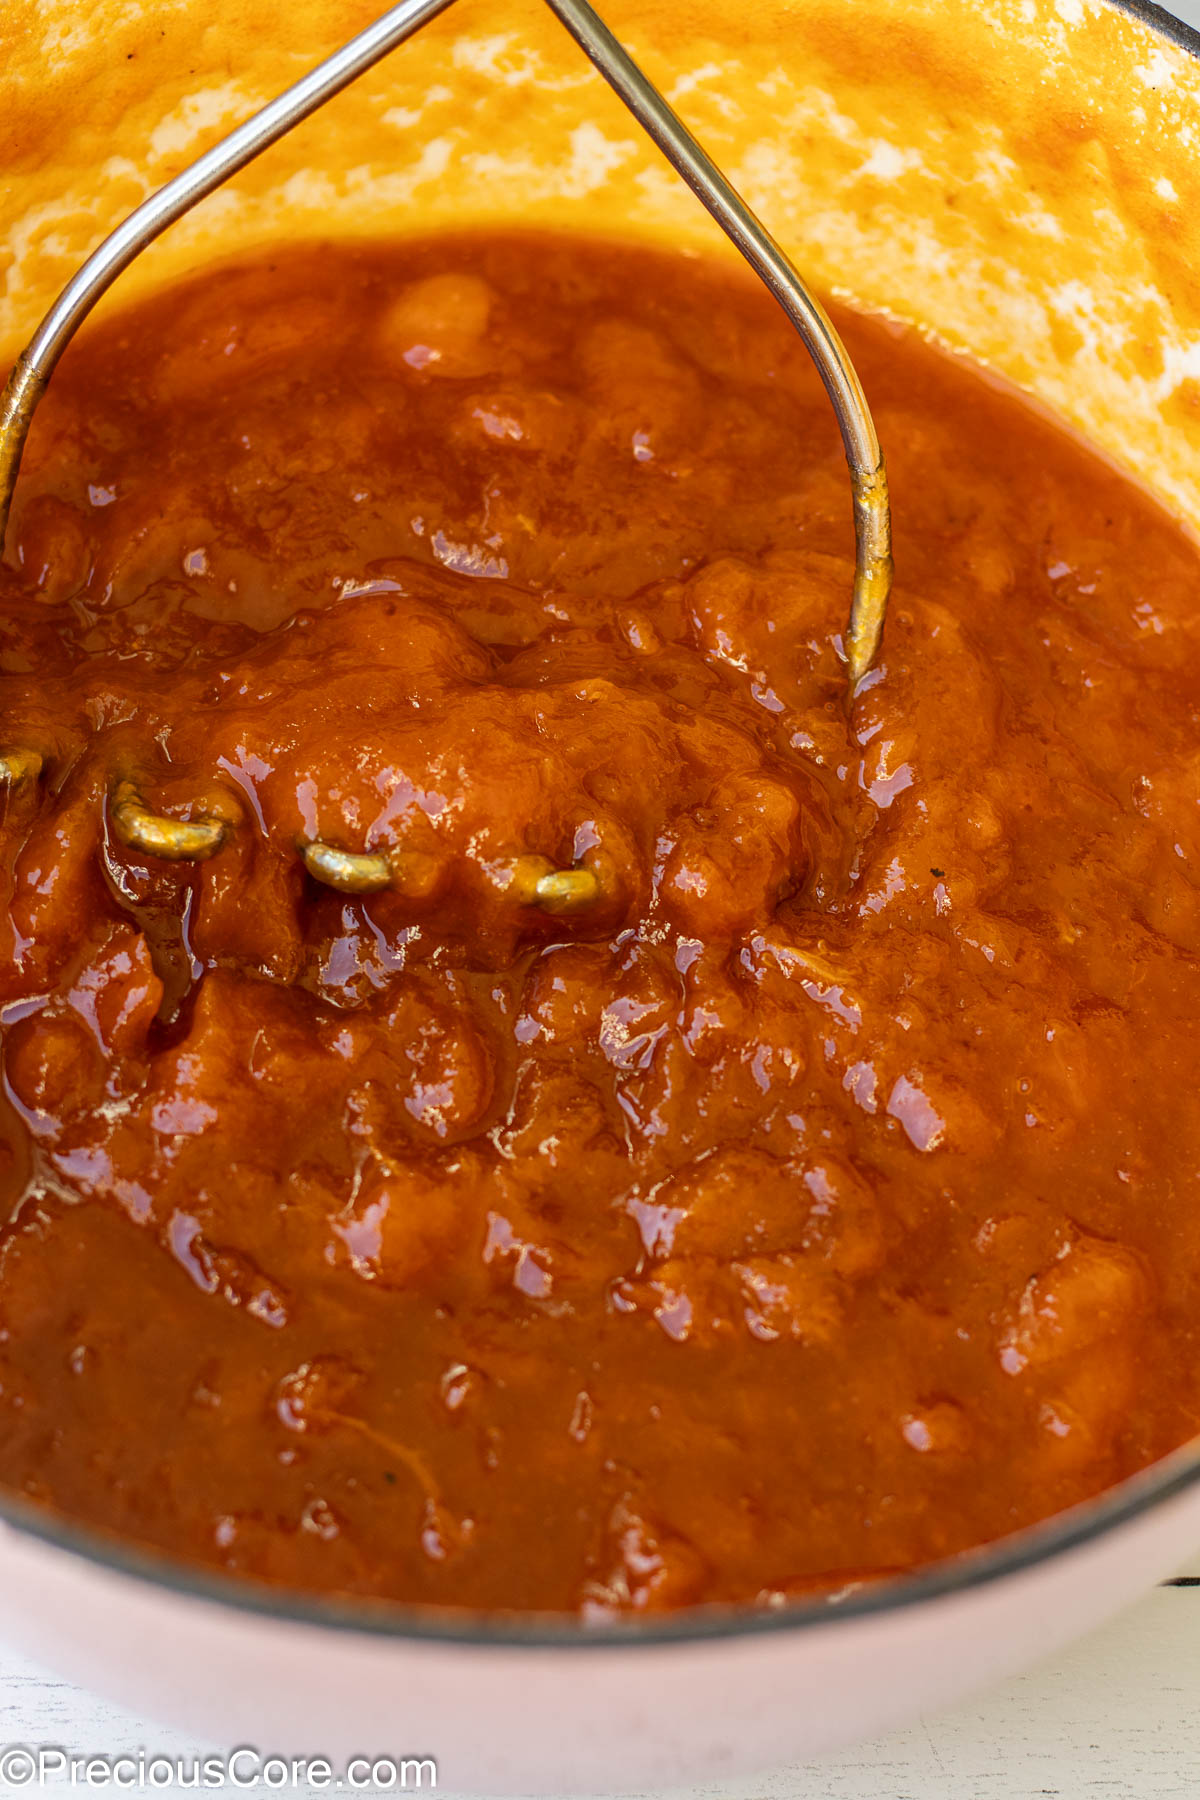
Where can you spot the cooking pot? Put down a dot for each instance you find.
(1021, 179)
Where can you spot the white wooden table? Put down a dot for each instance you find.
(1115, 1718)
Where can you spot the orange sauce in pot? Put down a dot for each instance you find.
(815, 1200)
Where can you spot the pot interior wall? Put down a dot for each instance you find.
(1019, 177)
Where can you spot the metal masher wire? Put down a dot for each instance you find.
(533, 880)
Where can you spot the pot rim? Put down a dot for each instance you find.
(1017, 1553)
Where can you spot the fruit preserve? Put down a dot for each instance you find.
(738, 1139)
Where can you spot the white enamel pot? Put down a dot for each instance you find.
(1020, 178)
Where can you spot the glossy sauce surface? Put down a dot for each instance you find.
(818, 1200)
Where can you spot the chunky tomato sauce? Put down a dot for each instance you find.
(814, 1197)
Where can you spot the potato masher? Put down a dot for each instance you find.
(535, 881)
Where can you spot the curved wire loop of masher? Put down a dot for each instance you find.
(533, 880)
(872, 512)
